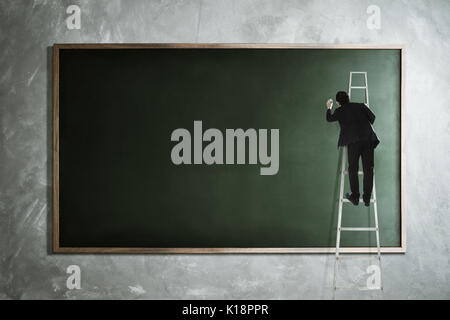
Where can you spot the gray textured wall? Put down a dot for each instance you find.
(28, 28)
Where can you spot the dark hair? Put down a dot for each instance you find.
(342, 97)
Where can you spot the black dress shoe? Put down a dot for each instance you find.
(351, 199)
(366, 203)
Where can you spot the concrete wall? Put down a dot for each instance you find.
(28, 28)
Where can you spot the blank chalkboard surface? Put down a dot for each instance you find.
(132, 168)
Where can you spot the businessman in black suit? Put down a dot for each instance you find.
(355, 120)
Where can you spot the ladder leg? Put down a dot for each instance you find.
(377, 233)
(339, 222)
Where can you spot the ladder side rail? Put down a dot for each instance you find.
(367, 88)
(375, 207)
(338, 231)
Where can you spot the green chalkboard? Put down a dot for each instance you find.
(117, 188)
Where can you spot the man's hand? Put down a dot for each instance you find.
(330, 103)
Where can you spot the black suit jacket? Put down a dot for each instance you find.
(355, 120)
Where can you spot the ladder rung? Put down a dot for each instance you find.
(359, 172)
(358, 229)
(358, 288)
(360, 200)
(358, 87)
(358, 72)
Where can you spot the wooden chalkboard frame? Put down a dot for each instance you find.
(56, 244)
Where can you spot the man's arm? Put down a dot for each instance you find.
(331, 116)
(369, 114)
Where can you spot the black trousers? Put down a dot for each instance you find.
(365, 150)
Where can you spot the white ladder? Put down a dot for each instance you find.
(342, 201)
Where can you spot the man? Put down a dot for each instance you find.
(355, 120)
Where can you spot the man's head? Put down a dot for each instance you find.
(342, 98)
